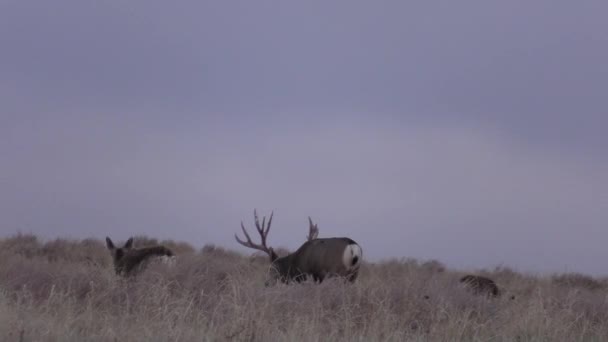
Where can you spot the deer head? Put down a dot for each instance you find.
(119, 253)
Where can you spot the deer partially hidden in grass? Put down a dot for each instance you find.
(480, 285)
(129, 260)
(318, 258)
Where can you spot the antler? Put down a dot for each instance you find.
(262, 230)
(313, 230)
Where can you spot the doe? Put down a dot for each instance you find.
(128, 259)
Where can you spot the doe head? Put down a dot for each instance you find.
(118, 253)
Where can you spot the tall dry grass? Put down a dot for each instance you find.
(66, 290)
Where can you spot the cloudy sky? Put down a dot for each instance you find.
(472, 132)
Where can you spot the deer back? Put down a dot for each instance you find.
(134, 259)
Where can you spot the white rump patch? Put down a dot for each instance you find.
(352, 256)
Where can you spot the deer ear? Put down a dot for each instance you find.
(109, 243)
(129, 243)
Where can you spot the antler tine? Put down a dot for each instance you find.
(261, 230)
(256, 219)
(257, 222)
(313, 230)
(269, 222)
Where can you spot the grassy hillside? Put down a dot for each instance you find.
(66, 291)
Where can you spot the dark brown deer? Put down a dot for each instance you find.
(318, 258)
(479, 285)
(128, 260)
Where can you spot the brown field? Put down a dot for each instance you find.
(65, 290)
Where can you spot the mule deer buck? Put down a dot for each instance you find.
(317, 257)
(127, 259)
(479, 285)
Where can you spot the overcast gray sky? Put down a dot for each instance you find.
(472, 132)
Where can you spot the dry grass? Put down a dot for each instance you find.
(66, 291)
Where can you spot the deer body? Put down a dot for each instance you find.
(481, 285)
(317, 258)
(128, 259)
(320, 258)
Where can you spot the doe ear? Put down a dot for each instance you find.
(109, 243)
(129, 243)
